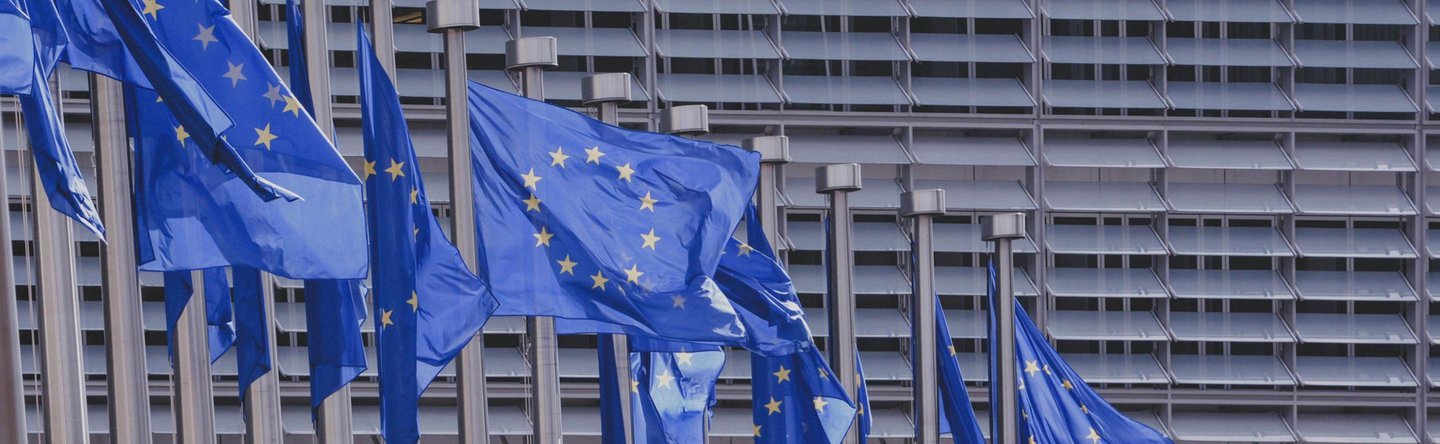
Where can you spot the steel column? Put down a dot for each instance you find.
(62, 381)
(688, 121)
(12, 381)
(1003, 229)
(194, 397)
(606, 92)
(128, 380)
(531, 56)
(452, 18)
(382, 33)
(774, 154)
(838, 181)
(922, 206)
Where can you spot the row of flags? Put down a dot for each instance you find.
(610, 231)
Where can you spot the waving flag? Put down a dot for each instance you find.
(179, 288)
(428, 303)
(957, 416)
(863, 419)
(334, 312)
(1057, 406)
(299, 67)
(672, 390)
(252, 328)
(624, 227)
(192, 213)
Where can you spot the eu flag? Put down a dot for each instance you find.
(179, 288)
(1057, 406)
(252, 328)
(334, 312)
(17, 55)
(672, 390)
(957, 416)
(192, 213)
(299, 67)
(428, 303)
(863, 419)
(581, 220)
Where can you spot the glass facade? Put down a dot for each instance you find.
(1230, 220)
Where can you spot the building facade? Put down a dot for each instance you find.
(1228, 199)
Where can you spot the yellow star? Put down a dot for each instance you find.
(558, 158)
(773, 406)
(650, 239)
(414, 301)
(593, 155)
(633, 274)
(745, 249)
(530, 179)
(567, 266)
(677, 301)
(860, 409)
(952, 350)
(414, 196)
(1032, 367)
(683, 358)
(236, 73)
(647, 202)
(782, 375)
(151, 8)
(293, 106)
(263, 136)
(625, 172)
(543, 237)
(385, 319)
(1084, 409)
(820, 404)
(664, 380)
(1032, 440)
(1067, 385)
(599, 281)
(824, 375)
(368, 171)
(180, 134)
(396, 169)
(532, 204)
(1093, 437)
(757, 430)
(634, 386)
(206, 36)
(1046, 368)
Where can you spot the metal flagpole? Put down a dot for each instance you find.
(838, 181)
(12, 381)
(606, 92)
(923, 206)
(129, 388)
(194, 398)
(774, 154)
(333, 424)
(453, 18)
(382, 32)
(531, 56)
(262, 398)
(62, 381)
(688, 121)
(1003, 229)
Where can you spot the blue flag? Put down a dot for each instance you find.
(585, 221)
(334, 312)
(179, 287)
(863, 419)
(252, 328)
(299, 74)
(1057, 406)
(428, 303)
(957, 415)
(192, 213)
(17, 56)
(673, 390)
(612, 416)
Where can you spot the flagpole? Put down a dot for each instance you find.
(686, 121)
(194, 397)
(129, 388)
(838, 181)
(1003, 229)
(382, 33)
(774, 154)
(531, 56)
(12, 380)
(262, 398)
(453, 18)
(923, 206)
(606, 92)
(62, 378)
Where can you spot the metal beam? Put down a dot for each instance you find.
(453, 18)
(194, 397)
(774, 154)
(382, 34)
(1003, 229)
(922, 206)
(606, 92)
(531, 56)
(838, 181)
(127, 378)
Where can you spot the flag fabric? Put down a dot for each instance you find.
(427, 302)
(193, 213)
(612, 415)
(672, 390)
(1056, 405)
(863, 419)
(33, 38)
(299, 74)
(179, 288)
(957, 415)
(624, 227)
(334, 312)
(252, 328)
